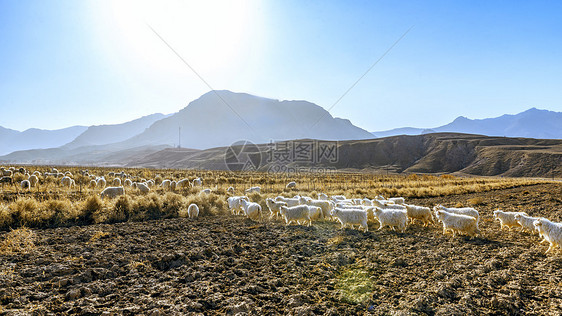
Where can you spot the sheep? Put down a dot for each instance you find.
(234, 204)
(101, 182)
(166, 184)
(366, 202)
(142, 187)
(197, 182)
(420, 213)
(183, 183)
(394, 206)
(325, 206)
(274, 207)
(351, 217)
(315, 212)
(205, 191)
(112, 192)
(469, 211)
(507, 218)
(25, 184)
(253, 189)
(458, 223)
(68, 174)
(551, 231)
(251, 210)
(33, 179)
(296, 213)
(290, 201)
(67, 181)
(397, 200)
(322, 196)
(193, 210)
(93, 184)
(291, 185)
(6, 173)
(116, 182)
(394, 218)
(128, 182)
(149, 183)
(337, 198)
(526, 222)
(173, 185)
(230, 190)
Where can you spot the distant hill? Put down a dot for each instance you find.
(533, 123)
(33, 138)
(220, 118)
(107, 134)
(429, 153)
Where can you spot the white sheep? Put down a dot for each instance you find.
(290, 201)
(197, 182)
(112, 192)
(507, 218)
(253, 189)
(33, 179)
(166, 184)
(149, 183)
(67, 181)
(142, 187)
(116, 182)
(551, 231)
(25, 184)
(193, 210)
(291, 185)
(337, 198)
(128, 182)
(394, 218)
(234, 204)
(173, 185)
(322, 196)
(251, 209)
(526, 221)
(101, 182)
(183, 183)
(325, 206)
(230, 190)
(397, 200)
(366, 202)
(394, 206)
(315, 212)
(274, 207)
(469, 211)
(458, 223)
(296, 213)
(205, 191)
(351, 217)
(420, 213)
(93, 184)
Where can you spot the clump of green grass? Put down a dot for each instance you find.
(354, 285)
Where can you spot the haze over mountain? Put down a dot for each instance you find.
(33, 138)
(220, 118)
(107, 134)
(533, 123)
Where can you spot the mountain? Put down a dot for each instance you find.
(107, 134)
(220, 118)
(428, 153)
(533, 123)
(33, 138)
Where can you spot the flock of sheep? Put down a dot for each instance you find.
(392, 212)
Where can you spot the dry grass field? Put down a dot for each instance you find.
(66, 251)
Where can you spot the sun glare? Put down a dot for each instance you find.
(209, 35)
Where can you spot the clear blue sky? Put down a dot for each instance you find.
(65, 63)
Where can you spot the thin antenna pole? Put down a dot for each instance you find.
(179, 137)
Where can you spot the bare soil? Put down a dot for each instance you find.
(231, 265)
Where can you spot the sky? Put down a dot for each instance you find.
(92, 62)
